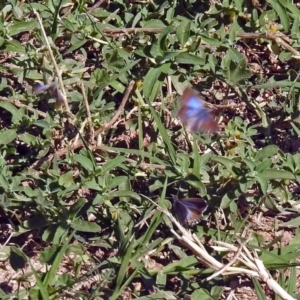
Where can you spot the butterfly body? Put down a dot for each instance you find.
(194, 115)
(189, 210)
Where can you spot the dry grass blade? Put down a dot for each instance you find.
(89, 117)
(242, 254)
(58, 71)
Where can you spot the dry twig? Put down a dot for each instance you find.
(277, 37)
(58, 71)
(20, 104)
(89, 117)
(254, 267)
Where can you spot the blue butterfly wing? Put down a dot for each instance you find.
(52, 87)
(190, 210)
(193, 105)
(194, 115)
(40, 88)
(181, 211)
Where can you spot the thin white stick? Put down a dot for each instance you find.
(58, 71)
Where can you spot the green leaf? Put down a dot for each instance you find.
(14, 46)
(212, 62)
(121, 181)
(159, 295)
(185, 263)
(50, 277)
(281, 12)
(169, 56)
(76, 44)
(7, 136)
(293, 223)
(19, 27)
(16, 114)
(48, 254)
(66, 179)
(121, 276)
(260, 293)
(262, 115)
(210, 41)
(271, 204)
(150, 80)
(118, 86)
(18, 13)
(202, 294)
(162, 39)
(55, 232)
(17, 259)
(235, 67)
(280, 83)
(292, 282)
(183, 32)
(228, 163)
(43, 152)
(196, 183)
(292, 8)
(164, 134)
(85, 226)
(37, 221)
(186, 58)
(128, 194)
(155, 23)
(5, 253)
(42, 124)
(28, 139)
(161, 279)
(76, 207)
(92, 184)
(84, 161)
(113, 163)
(122, 71)
(276, 174)
(263, 184)
(263, 165)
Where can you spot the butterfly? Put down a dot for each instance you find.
(194, 115)
(52, 87)
(189, 210)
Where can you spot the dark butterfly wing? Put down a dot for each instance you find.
(190, 210)
(194, 115)
(52, 87)
(181, 212)
(40, 88)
